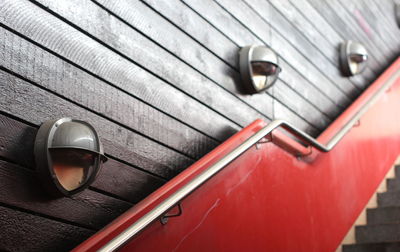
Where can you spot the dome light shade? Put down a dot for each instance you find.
(258, 67)
(353, 58)
(68, 155)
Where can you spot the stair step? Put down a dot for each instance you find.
(393, 184)
(373, 247)
(378, 233)
(397, 171)
(383, 215)
(389, 199)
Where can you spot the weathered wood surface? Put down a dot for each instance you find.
(383, 10)
(33, 104)
(344, 24)
(103, 99)
(166, 35)
(89, 209)
(133, 12)
(18, 227)
(332, 33)
(306, 30)
(279, 25)
(63, 39)
(130, 112)
(160, 82)
(186, 19)
(232, 27)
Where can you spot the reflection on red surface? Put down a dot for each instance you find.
(269, 200)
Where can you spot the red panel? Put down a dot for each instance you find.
(268, 200)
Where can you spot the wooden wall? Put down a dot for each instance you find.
(159, 80)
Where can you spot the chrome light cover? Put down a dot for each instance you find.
(68, 156)
(259, 68)
(353, 58)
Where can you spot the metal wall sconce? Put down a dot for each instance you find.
(68, 155)
(258, 67)
(353, 58)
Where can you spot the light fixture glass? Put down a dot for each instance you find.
(353, 58)
(73, 168)
(68, 155)
(258, 67)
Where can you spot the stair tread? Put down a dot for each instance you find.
(393, 246)
(384, 208)
(382, 231)
(390, 192)
(376, 233)
(378, 225)
(383, 215)
(389, 198)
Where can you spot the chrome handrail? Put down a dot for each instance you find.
(188, 188)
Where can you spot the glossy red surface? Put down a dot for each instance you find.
(268, 200)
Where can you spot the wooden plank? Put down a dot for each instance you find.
(288, 12)
(267, 13)
(108, 65)
(115, 178)
(362, 22)
(385, 11)
(189, 22)
(300, 106)
(149, 23)
(338, 18)
(134, 13)
(329, 32)
(177, 14)
(351, 20)
(221, 73)
(122, 10)
(182, 107)
(372, 17)
(298, 83)
(35, 105)
(21, 188)
(303, 26)
(32, 62)
(126, 182)
(17, 141)
(289, 101)
(184, 18)
(232, 28)
(22, 231)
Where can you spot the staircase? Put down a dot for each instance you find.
(382, 231)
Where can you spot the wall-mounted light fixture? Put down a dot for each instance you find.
(68, 155)
(258, 67)
(353, 58)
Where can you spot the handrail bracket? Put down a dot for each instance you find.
(165, 217)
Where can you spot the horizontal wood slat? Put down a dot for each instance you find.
(235, 30)
(31, 62)
(75, 46)
(35, 105)
(90, 209)
(22, 231)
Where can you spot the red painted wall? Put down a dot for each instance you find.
(268, 200)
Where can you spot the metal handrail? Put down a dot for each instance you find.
(196, 182)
